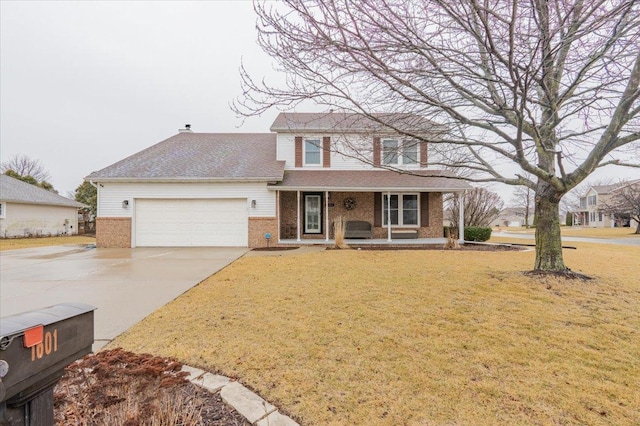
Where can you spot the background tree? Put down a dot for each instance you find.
(31, 180)
(87, 194)
(626, 200)
(523, 197)
(548, 86)
(24, 165)
(481, 207)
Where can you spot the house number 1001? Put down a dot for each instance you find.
(49, 344)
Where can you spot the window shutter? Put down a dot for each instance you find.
(376, 151)
(377, 209)
(424, 152)
(298, 140)
(326, 151)
(424, 209)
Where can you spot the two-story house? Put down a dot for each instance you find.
(290, 185)
(596, 211)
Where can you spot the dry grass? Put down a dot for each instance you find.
(579, 232)
(338, 231)
(417, 337)
(20, 243)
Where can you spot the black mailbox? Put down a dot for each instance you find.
(35, 348)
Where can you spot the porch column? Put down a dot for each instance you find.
(326, 215)
(461, 218)
(298, 215)
(389, 216)
(278, 215)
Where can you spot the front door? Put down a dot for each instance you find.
(313, 214)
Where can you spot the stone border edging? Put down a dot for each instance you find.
(256, 410)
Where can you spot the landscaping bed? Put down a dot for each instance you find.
(116, 387)
(463, 247)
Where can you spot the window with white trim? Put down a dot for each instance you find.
(409, 152)
(592, 200)
(395, 152)
(312, 152)
(3, 211)
(389, 151)
(404, 209)
(592, 216)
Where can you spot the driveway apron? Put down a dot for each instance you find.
(125, 285)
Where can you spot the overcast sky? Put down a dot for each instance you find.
(85, 84)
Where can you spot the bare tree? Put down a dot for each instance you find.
(481, 207)
(548, 86)
(24, 165)
(523, 197)
(625, 200)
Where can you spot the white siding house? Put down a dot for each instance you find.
(26, 211)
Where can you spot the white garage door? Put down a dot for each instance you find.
(200, 223)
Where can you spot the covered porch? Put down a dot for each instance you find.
(386, 207)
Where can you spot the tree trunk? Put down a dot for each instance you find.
(638, 227)
(548, 239)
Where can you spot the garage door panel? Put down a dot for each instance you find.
(201, 222)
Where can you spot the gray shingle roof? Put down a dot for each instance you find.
(201, 156)
(16, 191)
(370, 180)
(606, 189)
(348, 122)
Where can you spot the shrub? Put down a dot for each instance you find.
(568, 219)
(477, 233)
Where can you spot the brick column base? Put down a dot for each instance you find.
(113, 232)
(258, 226)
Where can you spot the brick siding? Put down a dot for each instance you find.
(113, 232)
(364, 210)
(258, 227)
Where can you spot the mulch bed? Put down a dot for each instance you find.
(274, 248)
(466, 247)
(116, 387)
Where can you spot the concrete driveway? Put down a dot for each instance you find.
(125, 285)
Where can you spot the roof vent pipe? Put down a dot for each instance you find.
(187, 129)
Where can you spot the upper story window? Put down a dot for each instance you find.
(312, 152)
(409, 152)
(389, 151)
(399, 152)
(583, 202)
(592, 200)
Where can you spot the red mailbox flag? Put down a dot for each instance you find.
(33, 336)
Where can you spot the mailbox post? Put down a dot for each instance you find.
(35, 348)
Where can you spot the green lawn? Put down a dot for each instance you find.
(417, 337)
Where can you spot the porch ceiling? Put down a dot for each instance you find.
(369, 180)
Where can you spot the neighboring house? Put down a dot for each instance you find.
(594, 211)
(513, 217)
(26, 211)
(204, 189)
